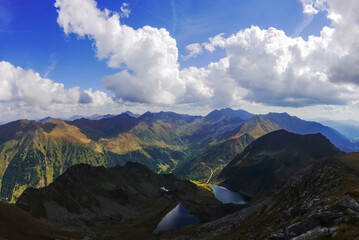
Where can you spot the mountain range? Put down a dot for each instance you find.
(349, 128)
(300, 187)
(35, 153)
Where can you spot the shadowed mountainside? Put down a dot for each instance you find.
(273, 158)
(105, 203)
(16, 224)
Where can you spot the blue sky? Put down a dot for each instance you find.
(32, 38)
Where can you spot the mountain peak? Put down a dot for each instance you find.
(228, 112)
(280, 140)
(129, 113)
(274, 156)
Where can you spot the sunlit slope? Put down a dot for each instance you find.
(224, 148)
(36, 153)
(33, 154)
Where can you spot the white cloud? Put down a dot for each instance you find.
(193, 49)
(262, 65)
(279, 70)
(213, 42)
(125, 11)
(25, 93)
(211, 86)
(312, 7)
(20, 85)
(149, 55)
(98, 98)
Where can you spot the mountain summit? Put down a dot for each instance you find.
(273, 158)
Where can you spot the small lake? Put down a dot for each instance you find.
(176, 218)
(227, 196)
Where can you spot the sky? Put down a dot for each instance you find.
(80, 57)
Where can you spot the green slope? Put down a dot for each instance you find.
(33, 154)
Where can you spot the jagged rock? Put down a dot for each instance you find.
(312, 234)
(348, 202)
(303, 226)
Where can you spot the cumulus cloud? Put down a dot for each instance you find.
(149, 55)
(211, 86)
(20, 85)
(193, 49)
(85, 98)
(261, 65)
(279, 70)
(24, 92)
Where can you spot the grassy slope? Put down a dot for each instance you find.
(37, 153)
(223, 149)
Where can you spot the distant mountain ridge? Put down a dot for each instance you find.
(349, 129)
(91, 117)
(297, 125)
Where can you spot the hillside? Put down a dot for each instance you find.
(319, 200)
(224, 143)
(16, 224)
(214, 157)
(33, 154)
(273, 158)
(127, 201)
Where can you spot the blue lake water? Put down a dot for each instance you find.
(176, 218)
(227, 196)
